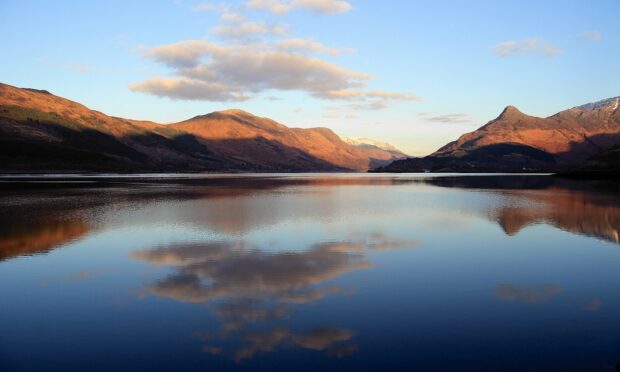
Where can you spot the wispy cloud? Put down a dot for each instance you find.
(228, 12)
(592, 35)
(248, 30)
(232, 17)
(78, 67)
(532, 45)
(286, 6)
(307, 45)
(207, 7)
(450, 118)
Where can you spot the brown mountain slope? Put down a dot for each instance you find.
(217, 129)
(518, 142)
(571, 136)
(43, 132)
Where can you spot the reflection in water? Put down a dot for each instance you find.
(46, 219)
(331, 340)
(235, 270)
(578, 212)
(38, 238)
(255, 285)
(594, 305)
(274, 271)
(231, 270)
(590, 209)
(534, 295)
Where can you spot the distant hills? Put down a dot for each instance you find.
(518, 142)
(375, 150)
(41, 132)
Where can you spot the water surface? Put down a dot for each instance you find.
(309, 272)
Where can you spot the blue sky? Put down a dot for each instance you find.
(414, 73)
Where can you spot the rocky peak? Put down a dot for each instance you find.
(509, 112)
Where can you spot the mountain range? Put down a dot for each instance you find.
(41, 132)
(514, 141)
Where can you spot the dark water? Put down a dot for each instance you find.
(310, 272)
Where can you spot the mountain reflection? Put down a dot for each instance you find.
(584, 208)
(37, 217)
(37, 238)
(245, 285)
(579, 212)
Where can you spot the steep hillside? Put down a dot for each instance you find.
(570, 136)
(518, 142)
(219, 130)
(42, 132)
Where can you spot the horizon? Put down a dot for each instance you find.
(451, 77)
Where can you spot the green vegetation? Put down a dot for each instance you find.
(26, 114)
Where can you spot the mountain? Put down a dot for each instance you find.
(381, 153)
(41, 132)
(370, 143)
(265, 141)
(515, 141)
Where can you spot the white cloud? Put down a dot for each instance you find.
(228, 12)
(592, 35)
(345, 94)
(323, 6)
(247, 30)
(182, 54)
(305, 45)
(274, 6)
(188, 89)
(316, 6)
(232, 17)
(526, 46)
(244, 68)
(253, 57)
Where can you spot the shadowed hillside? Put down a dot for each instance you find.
(518, 142)
(40, 132)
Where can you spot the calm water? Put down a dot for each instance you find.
(310, 272)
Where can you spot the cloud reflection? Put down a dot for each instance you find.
(245, 285)
(234, 269)
(532, 295)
